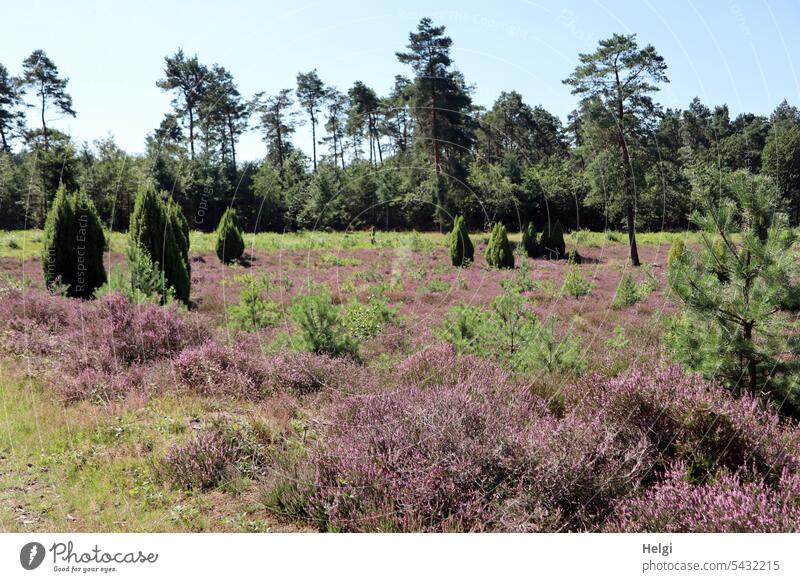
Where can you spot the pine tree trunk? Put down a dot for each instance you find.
(191, 133)
(752, 371)
(437, 164)
(233, 141)
(628, 183)
(44, 125)
(314, 141)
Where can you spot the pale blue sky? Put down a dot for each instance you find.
(743, 53)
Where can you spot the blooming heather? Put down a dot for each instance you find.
(730, 503)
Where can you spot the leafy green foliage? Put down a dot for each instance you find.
(366, 320)
(462, 253)
(498, 252)
(676, 251)
(511, 333)
(160, 231)
(552, 241)
(530, 240)
(230, 244)
(734, 327)
(72, 251)
(627, 293)
(320, 326)
(522, 281)
(254, 310)
(575, 285)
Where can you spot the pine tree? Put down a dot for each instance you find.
(462, 253)
(622, 76)
(230, 244)
(41, 76)
(311, 95)
(12, 117)
(734, 326)
(529, 240)
(498, 252)
(441, 104)
(159, 229)
(72, 254)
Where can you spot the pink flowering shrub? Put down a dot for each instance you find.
(482, 454)
(455, 444)
(217, 369)
(440, 364)
(145, 331)
(31, 320)
(728, 503)
(228, 448)
(304, 372)
(204, 462)
(95, 349)
(688, 418)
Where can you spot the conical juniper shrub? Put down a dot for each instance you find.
(676, 252)
(230, 244)
(498, 253)
(462, 252)
(159, 229)
(72, 253)
(552, 242)
(529, 240)
(574, 257)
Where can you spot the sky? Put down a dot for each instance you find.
(742, 53)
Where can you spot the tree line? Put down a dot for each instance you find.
(414, 158)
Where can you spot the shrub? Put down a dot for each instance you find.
(498, 252)
(734, 503)
(689, 420)
(159, 230)
(304, 373)
(142, 333)
(575, 284)
(574, 257)
(453, 455)
(146, 278)
(529, 240)
(320, 327)
(119, 281)
(216, 369)
(180, 227)
(676, 251)
(522, 280)
(254, 311)
(552, 242)
(72, 250)
(214, 456)
(462, 253)
(512, 334)
(230, 244)
(462, 328)
(364, 321)
(627, 293)
(548, 351)
(444, 364)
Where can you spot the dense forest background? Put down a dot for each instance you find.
(412, 159)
